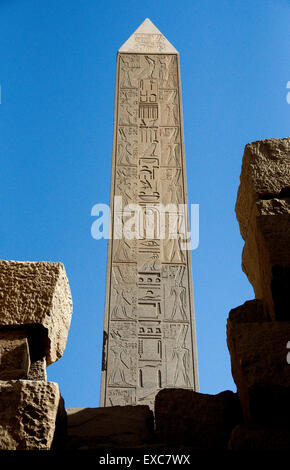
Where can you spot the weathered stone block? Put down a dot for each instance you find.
(60, 433)
(265, 174)
(188, 418)
(117, 426)
(251, 311)
(14, 355)
(263, 212)
(37, 296)
(37, 370)
(260, 369)
(28, 411)
(266, 256)
(257, 437)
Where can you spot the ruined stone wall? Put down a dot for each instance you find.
(35, 311)
(258, 331)
(257, 416)
(35, 314)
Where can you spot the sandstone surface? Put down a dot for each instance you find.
(195, 419)
(261, 438)
(28, 411)
(123, 426)
(14, 355)
(36, 295)
(263, 213)
(260, 369)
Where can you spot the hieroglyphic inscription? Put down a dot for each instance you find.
(149, 305)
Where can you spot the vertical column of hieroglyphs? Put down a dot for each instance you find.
(149, 247)
(121, 366)
(165, 341)
(178, 336)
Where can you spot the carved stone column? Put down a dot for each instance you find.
(149, 330)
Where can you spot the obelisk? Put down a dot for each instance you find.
(149, 329)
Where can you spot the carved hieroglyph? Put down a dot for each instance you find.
(149, 331)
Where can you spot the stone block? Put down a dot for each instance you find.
(37, 370)
(60, 433)
(263, 212)
(198, 420)
(265, 174)
(14, 355)
(37, 296)
(251, 311)
(260, 369)
(261, 438)
(28, 411)
(266, 256)
(116, 426)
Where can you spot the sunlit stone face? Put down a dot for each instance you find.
(149, 332)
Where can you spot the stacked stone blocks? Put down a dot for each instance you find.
(35, 314)
(258, 331)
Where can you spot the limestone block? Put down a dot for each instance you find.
(14, 355)
(117, 426)
(265, 174)
(260, 369)
(267, 242)
(37, 295)
(28, 411)
(37, 370)
(251, 311)
(263, 212)
(202, 421)
(60, 433)
(273, 247)
(257, 437)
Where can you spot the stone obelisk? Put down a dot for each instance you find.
(149, 329)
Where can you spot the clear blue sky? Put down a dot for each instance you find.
(57, 78)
